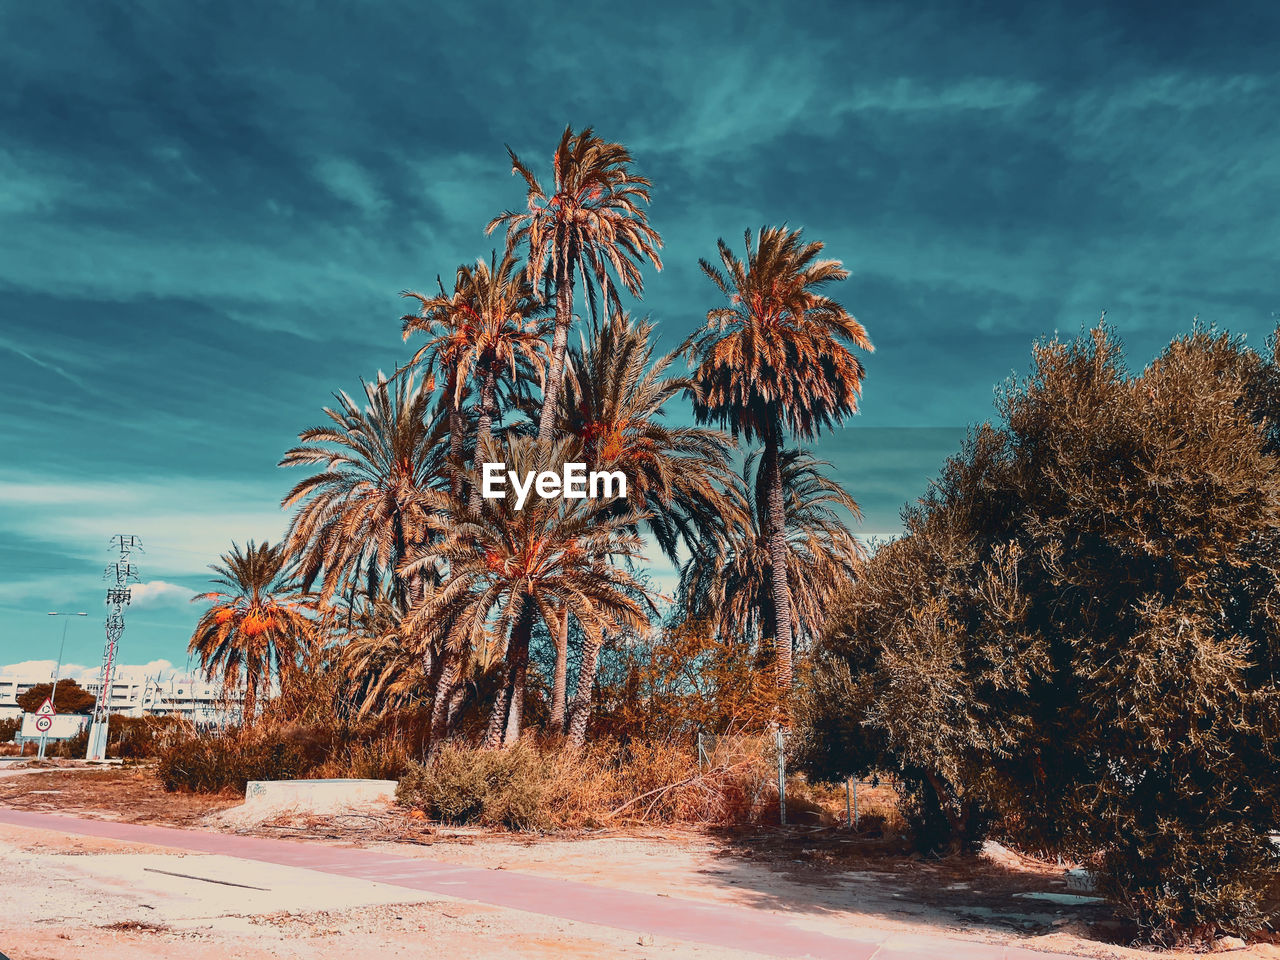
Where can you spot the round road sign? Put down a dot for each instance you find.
(44, 723)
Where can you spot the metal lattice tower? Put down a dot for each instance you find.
(120, 575)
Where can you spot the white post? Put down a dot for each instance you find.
(782, 777)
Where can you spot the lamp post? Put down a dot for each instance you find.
(57, 674)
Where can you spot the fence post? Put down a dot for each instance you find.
(782, 776)
(848, 815)
(855, 804)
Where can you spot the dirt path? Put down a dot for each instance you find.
(241, 878)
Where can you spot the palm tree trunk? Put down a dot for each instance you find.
(249, 704)
(778, 569)
(559, 345)
(580, 709)
(484, 427)
(445, 684)
(518, 654)
(498, 714)
(457, 434)
(559, 689)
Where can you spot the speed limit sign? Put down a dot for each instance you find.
(43, 724)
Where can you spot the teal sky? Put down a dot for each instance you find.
(208, 210)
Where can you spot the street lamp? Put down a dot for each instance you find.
(57, 674)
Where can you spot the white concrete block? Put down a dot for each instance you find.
(317, 796)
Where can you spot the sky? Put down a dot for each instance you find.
(208, 212)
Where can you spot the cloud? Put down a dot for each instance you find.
(350, 182)
(81, 674)
(40, 668)
(158, 593)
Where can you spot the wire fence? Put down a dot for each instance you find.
(712, 750)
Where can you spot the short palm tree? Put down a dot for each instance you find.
(506, 567)
(258, 623)
(361, 513)
(612, 413)
(382, 667)
(591, 223)
(727, 583)
(777, 359)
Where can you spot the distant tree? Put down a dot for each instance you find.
(72, 698)
(1077, 634)
(257, 627)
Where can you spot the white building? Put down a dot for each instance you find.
(135, 693)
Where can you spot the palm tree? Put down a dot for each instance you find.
(362, 512)
(449, 326)
(612, 414)
(507, 567)
(727, 583)
(776, 359)
(505, 334)
(591, 223)
(257, 625)
(382, 666)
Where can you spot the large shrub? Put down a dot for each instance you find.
(1076, 638)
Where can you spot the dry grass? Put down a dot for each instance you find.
(530, 787)
(130, 794)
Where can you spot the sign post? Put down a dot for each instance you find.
(44, 723)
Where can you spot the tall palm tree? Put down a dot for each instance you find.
(507, 567)
(727, 583)
(257, 624)
(591, 223)
(778, 358)
(361, 513)
(612, 412)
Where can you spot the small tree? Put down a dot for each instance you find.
(71, 698)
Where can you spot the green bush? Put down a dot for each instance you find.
(9, 729)
(497, 788)
(1075, 640)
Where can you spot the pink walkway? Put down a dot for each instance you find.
(733, 927)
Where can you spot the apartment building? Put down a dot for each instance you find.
(134, 694)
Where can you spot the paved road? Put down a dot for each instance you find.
(732, 927)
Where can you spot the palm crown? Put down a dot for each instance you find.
(506, 566)
(256, 626)
(359, 515)
(778, 354)
(591, 220)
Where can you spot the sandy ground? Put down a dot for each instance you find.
(65, 896)
(71, 897)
